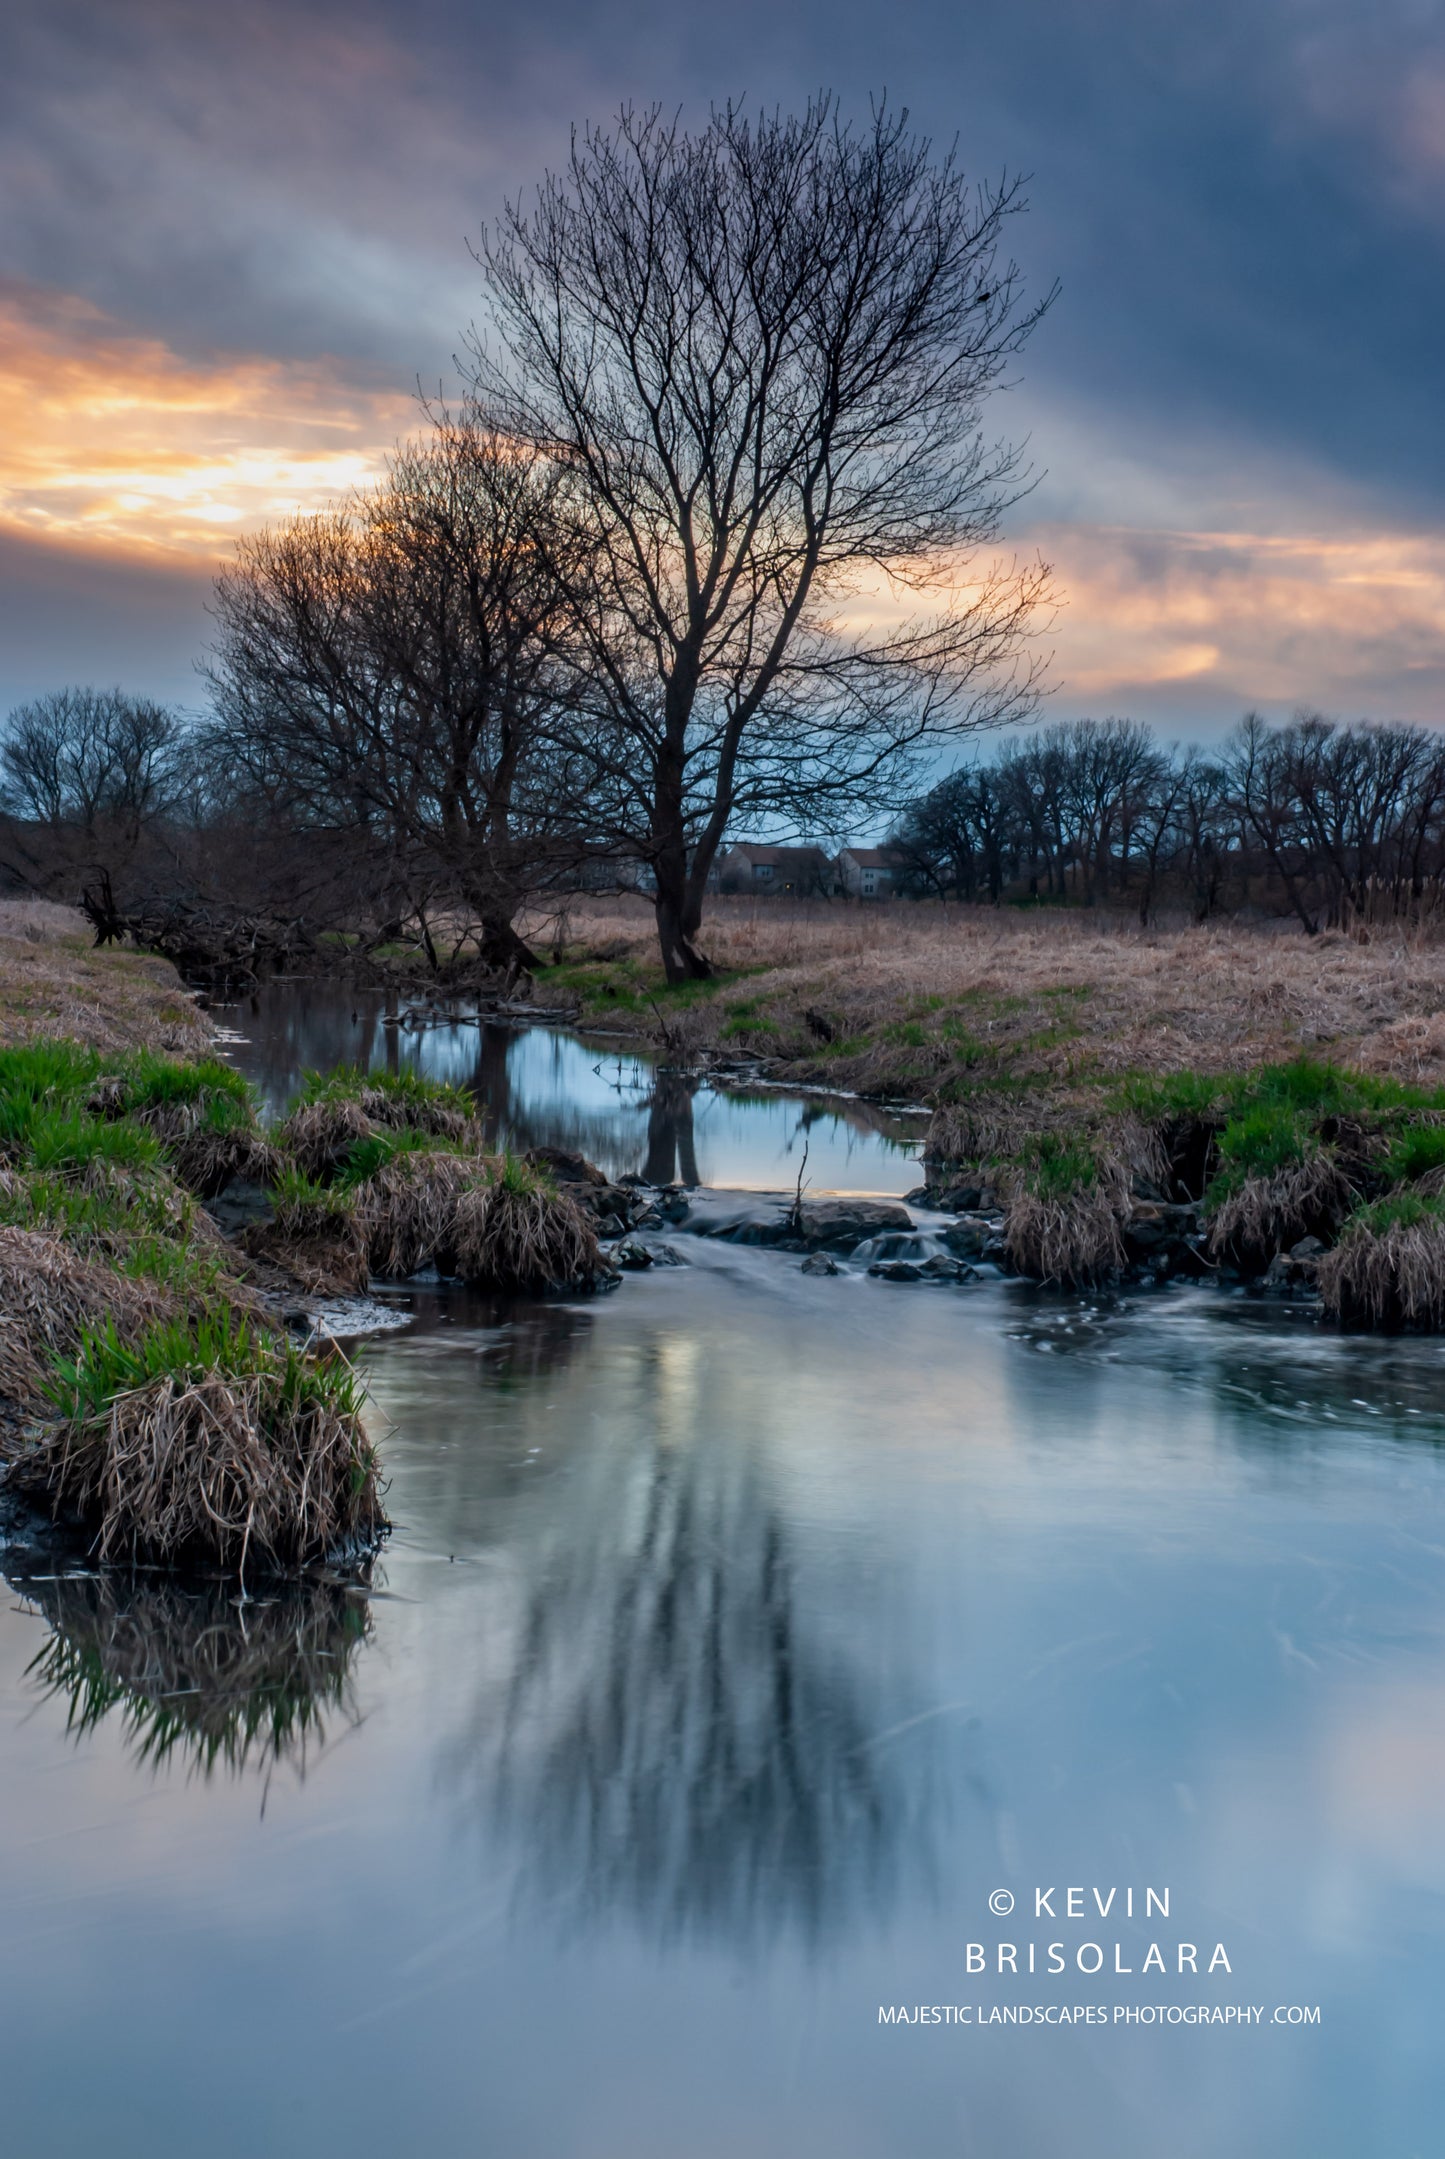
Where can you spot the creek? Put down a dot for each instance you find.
(741, 1636)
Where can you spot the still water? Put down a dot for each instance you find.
(741, 1634)
(540, 1086)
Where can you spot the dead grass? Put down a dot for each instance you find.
(409, 1209)
(1265, 1215)
(320, 1135)
(527, 1240)
(1072, 1242)
(1389, 1278)
(220, 1466)
(49, 1295)
(53, 981)
(918, 997)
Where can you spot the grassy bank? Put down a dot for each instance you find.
(53, 982)
(1276, 1091)
(150, 1396)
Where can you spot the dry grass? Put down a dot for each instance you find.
(1389, 1277)
(408, 1210)
(1265, 1215)
(976, 991)
(1073, 1242)
(49, 1295)
(527, 1240)
(320, 1135)
(220, 1466)
(206, 1160)
(54, 982)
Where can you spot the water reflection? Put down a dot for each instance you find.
(542, 1087)
(192, 1673)
(675, 1743)
(1275, 1373)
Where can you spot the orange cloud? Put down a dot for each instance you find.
(115, 440)
(1296, 619)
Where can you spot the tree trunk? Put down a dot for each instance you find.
(678, 923)
(503, 949)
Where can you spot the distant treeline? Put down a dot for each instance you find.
(1331, 823)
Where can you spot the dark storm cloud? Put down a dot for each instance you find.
(1245, 203)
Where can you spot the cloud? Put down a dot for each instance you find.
(107, 437)
(1205, 624)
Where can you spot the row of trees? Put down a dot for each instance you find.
(1327, 822)
(697, 549)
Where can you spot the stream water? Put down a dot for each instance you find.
(741, 1635)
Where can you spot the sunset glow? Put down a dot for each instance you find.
(107, 438)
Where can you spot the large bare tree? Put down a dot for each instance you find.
(760, 355)
(386, 670)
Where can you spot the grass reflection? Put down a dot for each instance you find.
(192, 1673)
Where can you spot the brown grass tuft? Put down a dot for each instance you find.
(1073, 1241)
(206, 1160)
(49, 1294)
(1391, 1279)
(320, 1135)
(219, 1468)
(1266, 1215)
(527, 1241)
(408, 1210)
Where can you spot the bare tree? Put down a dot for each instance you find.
(760, 354)
(89, 782)
(385, 671)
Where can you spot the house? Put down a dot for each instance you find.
(791, 872)
(870, 873)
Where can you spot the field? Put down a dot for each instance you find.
(54, 982)
(928, 1000)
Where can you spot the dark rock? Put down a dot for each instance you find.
(565, 1165)
(968, 1239)
(1158, 1226)
(666, 1255)
(938, 1268)
(838, 1225)
(674, 1207)
(631, 1254)
(820, 1263)
(238, 1204)
(920, 1196)
(842, 1223)
(1308, 1252)
(604, 1200)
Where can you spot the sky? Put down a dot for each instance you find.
(235, 242)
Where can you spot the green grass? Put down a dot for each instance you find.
(153, 1082)
(1397, 1210)
(369, 1157)
(67, 1142)
(1417, 1151)
(516, 1175)
(81, 1388)
(1058, 1167)
(296, 1194)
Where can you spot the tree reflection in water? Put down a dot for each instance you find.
(674, 1744)
(193, 1672)
(671, 1150)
